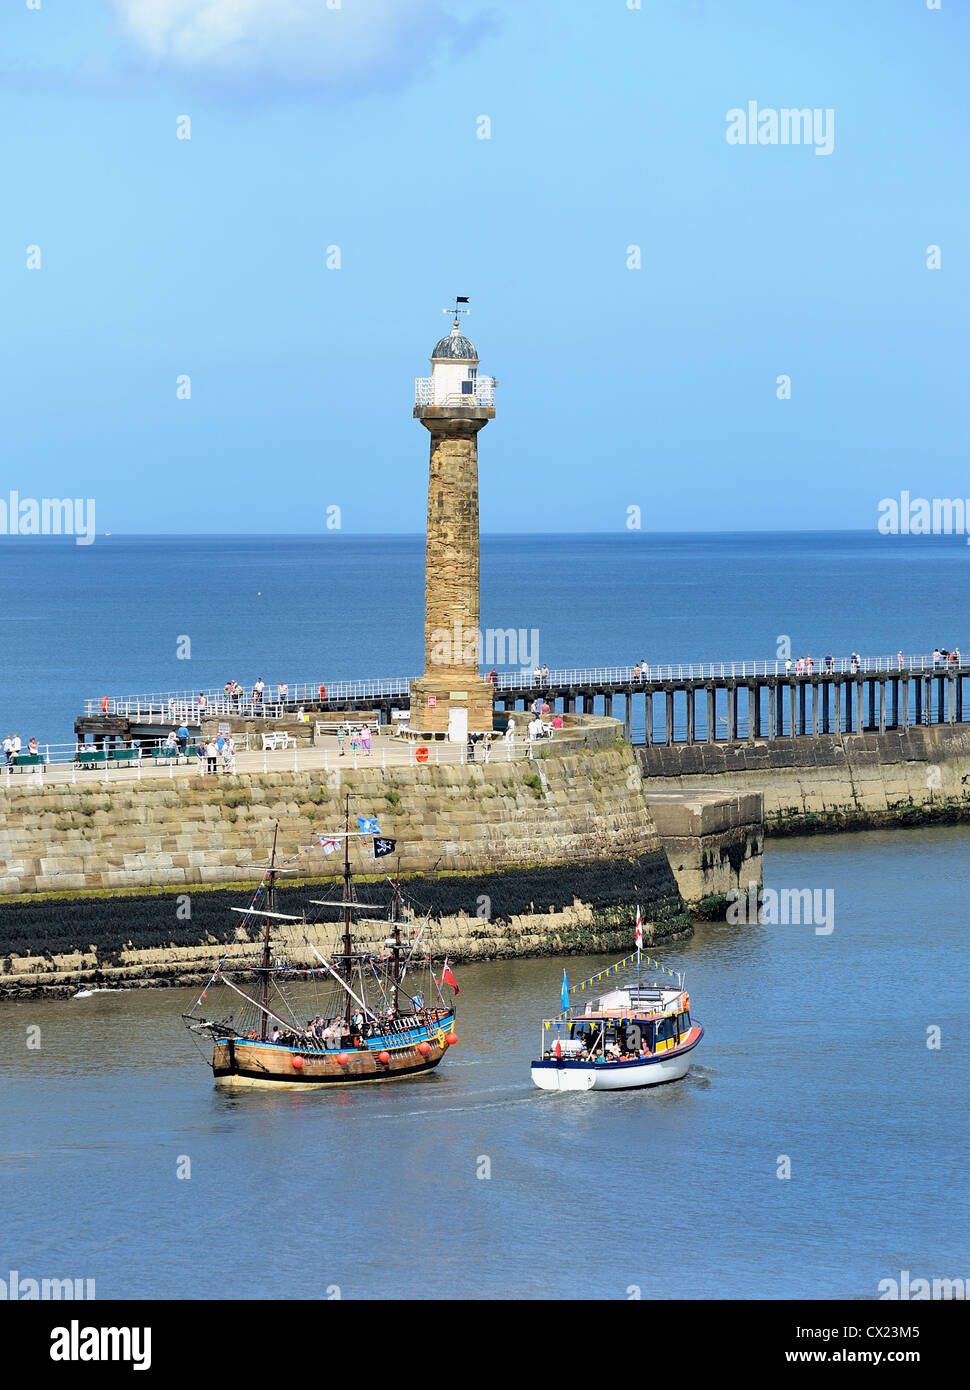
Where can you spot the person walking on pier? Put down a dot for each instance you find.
(365, 739)
(212, 757)
(229, 755)
(510, 733)
(182, 737)
(899, 661)
(341, 735)
(936, 657)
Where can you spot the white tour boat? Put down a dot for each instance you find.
(640, 1035)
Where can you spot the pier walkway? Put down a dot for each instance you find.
(667, 703)
(61, 762)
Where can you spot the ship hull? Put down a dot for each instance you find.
(552, 1075)
(239, 1063)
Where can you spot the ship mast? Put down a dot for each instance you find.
(397, 942)
(270, 904)
(349, 967)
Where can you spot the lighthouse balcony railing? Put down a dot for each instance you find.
(475, 391)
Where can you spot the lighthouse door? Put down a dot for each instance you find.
(457, 725)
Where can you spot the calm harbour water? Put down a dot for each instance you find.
(815, 1049)
(815, 1046)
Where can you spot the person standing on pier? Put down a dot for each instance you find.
(365, 739)
(341, 735)
(182, 737)
(258, 689)
(899, 661)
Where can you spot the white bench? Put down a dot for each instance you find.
(279, 739)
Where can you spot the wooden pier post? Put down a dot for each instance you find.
(732, 714)
(711, 714)
(669, 716)
(648, 718)
(689, 692)
(771, 714)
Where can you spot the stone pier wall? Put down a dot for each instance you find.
(528, 857)
(914, 776)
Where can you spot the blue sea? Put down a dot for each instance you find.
(818, 1145)
(80, 622)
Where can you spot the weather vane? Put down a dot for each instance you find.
(459, 301)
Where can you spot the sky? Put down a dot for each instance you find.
(640, 286)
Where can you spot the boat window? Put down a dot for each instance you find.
(665, 1029)
(683, 1022)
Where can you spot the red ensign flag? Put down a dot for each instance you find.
(447, 978)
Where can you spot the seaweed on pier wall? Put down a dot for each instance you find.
(949, 810)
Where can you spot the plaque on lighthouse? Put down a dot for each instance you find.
(454, 403)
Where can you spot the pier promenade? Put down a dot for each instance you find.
(691, 702)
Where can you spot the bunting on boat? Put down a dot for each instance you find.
(621, 965)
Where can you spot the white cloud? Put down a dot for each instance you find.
(295, 43)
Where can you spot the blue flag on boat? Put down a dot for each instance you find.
(368, 825)
(565, 992)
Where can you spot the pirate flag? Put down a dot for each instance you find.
(383, 846)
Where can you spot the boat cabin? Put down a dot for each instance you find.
(640, 1021)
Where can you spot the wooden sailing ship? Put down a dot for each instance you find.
(376, 1009)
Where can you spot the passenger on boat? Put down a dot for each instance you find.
(276, 1036)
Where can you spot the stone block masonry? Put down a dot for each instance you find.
(919, 775)
(525, 857)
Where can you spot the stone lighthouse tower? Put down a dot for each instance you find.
(451, 699)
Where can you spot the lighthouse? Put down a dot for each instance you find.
(451, 700)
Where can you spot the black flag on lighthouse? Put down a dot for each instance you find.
(383, 846)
